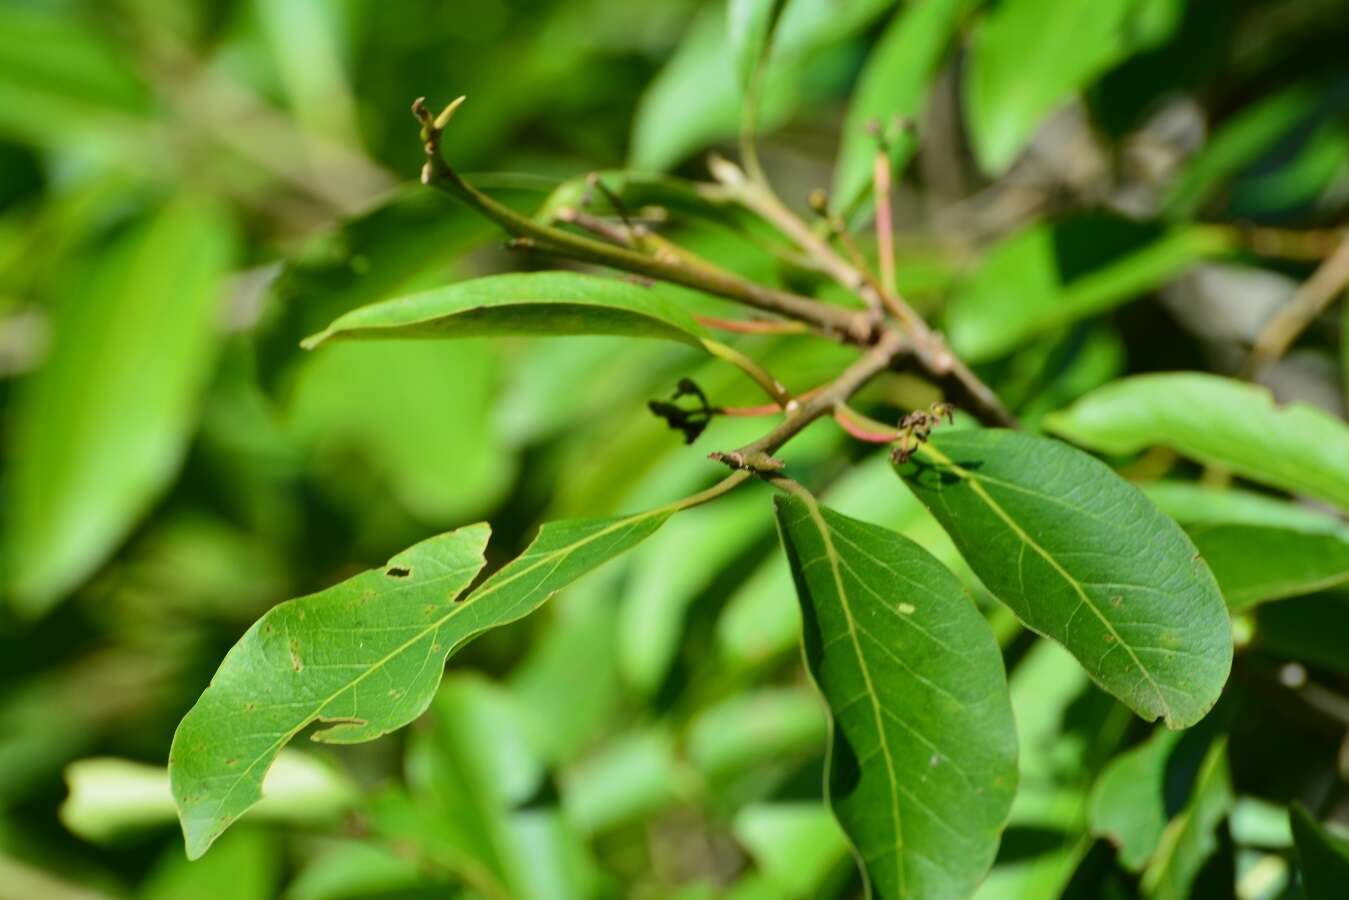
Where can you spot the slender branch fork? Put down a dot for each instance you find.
(888, 332)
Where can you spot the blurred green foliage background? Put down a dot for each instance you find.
(189, 188)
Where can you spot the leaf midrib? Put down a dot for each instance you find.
(977, 487)
(834, 567)
(543, 559)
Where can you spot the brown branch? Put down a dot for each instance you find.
(1315, 294)
(757, 455)
(928, 347)
(853, 327)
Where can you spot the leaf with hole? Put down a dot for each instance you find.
(1219, 422)
(531, 303)
(921, 766)
(1081, 556)
(364, 656)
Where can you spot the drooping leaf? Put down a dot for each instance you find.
(1255, 563)
(1081, 556)
(1054, 273)
(100, 429)
(1189, 839)
(750, 25)
(1030, 56)
(1220, 422)
(534, 303)
(894, 83)
(1322, 856)
(1128, 800)
(922, 757)
(365, 655)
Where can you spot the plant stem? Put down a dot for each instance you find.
(757, 455)
(1315, 294)
(928, 347)
(851, 326)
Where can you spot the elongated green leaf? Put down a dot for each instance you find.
(1054, 273)
(1220, 422)
(894, 83)
(365, 655)
(922, 757)
(1322, 857)
(1253, 563)
(101, 427)
(539, 303)
(1193, 504)
(1081, 556)
(1189, 839)
(1128, 801)
(1030, 56)
(750, 25)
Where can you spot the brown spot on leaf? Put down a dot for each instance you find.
(295, 662)
(397, 572)
(1116, 601)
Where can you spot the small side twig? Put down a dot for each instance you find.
(1316, 293)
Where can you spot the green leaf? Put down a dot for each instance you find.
(1189, 839)
(1196, 504)
(1054, 273)
(894, 82)
(922, 759)
(1030, 56)
(1127, 803)
(403, 410)
(796, 846)
(688, 106)
(755, 729)
(629, 778)
(537, 303)
(1322, 856)
(108, 798)
(1254, 563)
(246, 867)
(1081, 556)
(476, 802)
(365, 655)
(100, 429)
(1240, 141)
(750, 25)
(1219, 422)
(53, 60)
